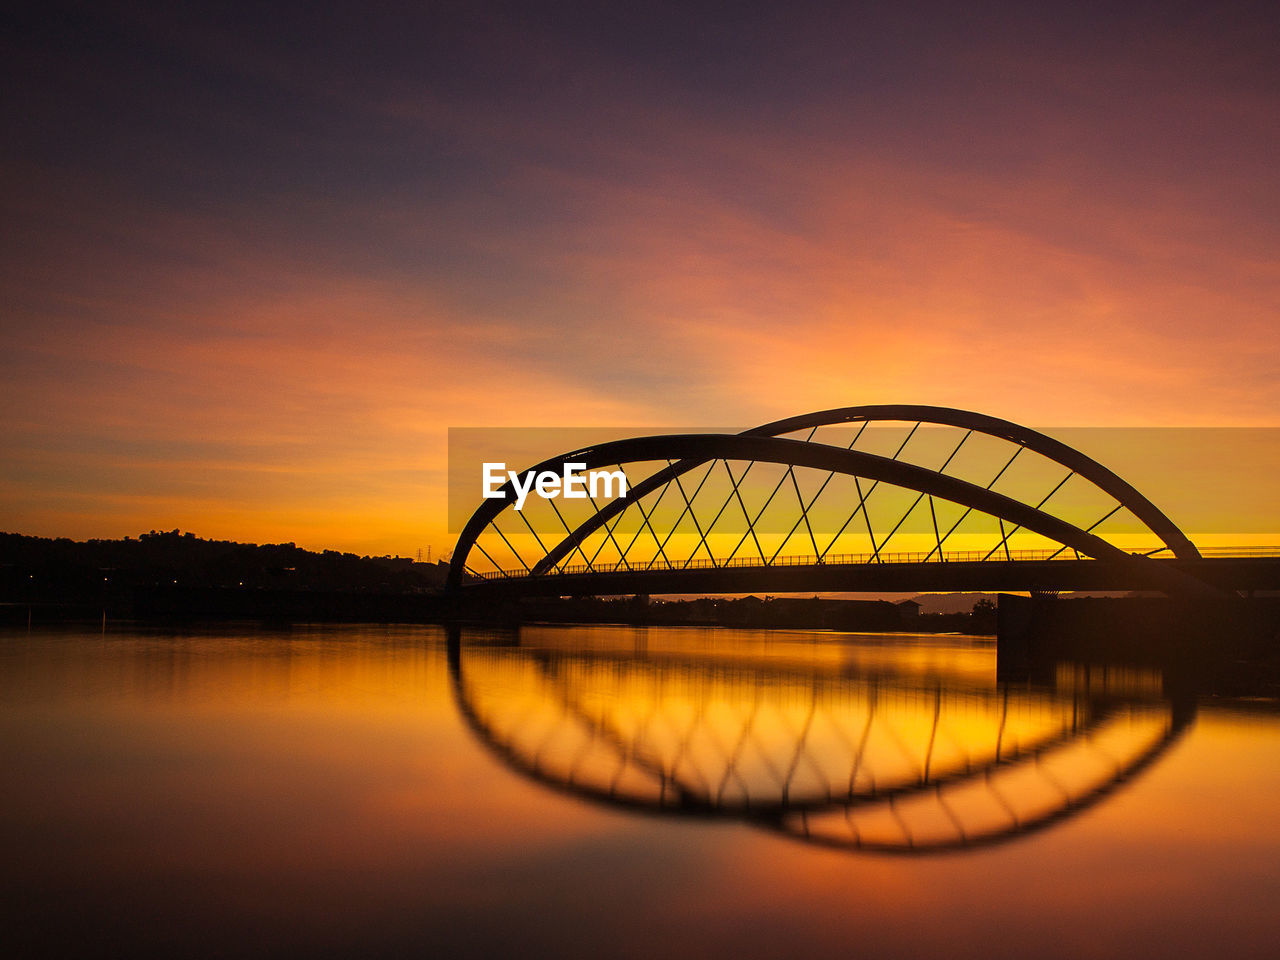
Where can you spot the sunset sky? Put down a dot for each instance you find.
(258, 259)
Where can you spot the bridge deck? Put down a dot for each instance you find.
(1260, 571)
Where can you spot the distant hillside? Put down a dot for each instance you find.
(39, 569)
(963, 602)
(950, 602)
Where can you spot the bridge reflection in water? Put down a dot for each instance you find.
(807, 743)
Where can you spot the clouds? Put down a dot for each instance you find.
(290, 240)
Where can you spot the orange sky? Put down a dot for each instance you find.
(257, 264)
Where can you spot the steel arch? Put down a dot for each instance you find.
(693, 449)
(1081, 464)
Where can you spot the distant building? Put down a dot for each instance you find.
(908, 609)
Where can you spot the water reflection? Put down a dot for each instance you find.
(317, 792)
(844, 753)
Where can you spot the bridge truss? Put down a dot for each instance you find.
(856, 486)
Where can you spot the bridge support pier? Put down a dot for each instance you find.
(1034, 635)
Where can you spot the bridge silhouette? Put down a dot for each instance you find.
(803, 504)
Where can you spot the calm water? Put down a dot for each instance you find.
(370, 790)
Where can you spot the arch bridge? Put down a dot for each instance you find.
(865, 498)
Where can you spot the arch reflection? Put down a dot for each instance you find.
(838, 755)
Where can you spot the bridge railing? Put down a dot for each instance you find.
(1228, 552)
(850, 559)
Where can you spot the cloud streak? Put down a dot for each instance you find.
(257, 267)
